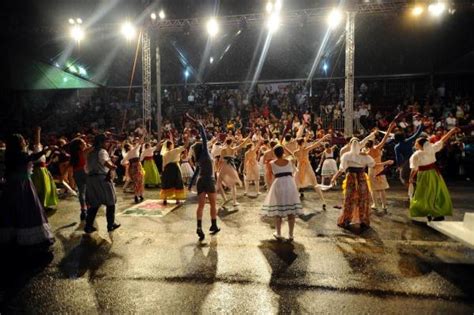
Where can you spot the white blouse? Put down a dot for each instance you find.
(355, 160)
(425, 157)
(172, 156)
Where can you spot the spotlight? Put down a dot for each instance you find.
(153, 16)
(325, 67)
(273, 22)
(436, 9)
(211, 60)
(278, 5)
(269, 7)
(79, 21)
(186, 73)
(77, 33)
(162, 15)
(128, 30)
(418, 10)
(334, 18)
(212, 27)
(71, 21)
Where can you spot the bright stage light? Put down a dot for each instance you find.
(269, 7)
(334, 18)
(153, 16)
(77, 33)
(418, 10)
(273, 23)
(212, 27)
(71, 21)
(162, 15)
(186, 73)
(436, 9)
(128, 30)
(211, 60)
(278, 5)
(325, 67)
(79, 21)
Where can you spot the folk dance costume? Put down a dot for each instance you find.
(152, 176)
(227, 174)
(431, 196)
(136, 172)
(22, 218)
(187, 170)
(403, 151)
(251, 169)
(329, 167)
(305, 176)
(100, 188)
(283, 198)
(43, 181)
(356, 204)
(172, 186)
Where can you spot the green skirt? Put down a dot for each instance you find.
(431, 196)
(152, 177)
(45, 187)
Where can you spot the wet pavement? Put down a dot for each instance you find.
(155, 264)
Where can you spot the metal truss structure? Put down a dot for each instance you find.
(349, 79)
(146, 78)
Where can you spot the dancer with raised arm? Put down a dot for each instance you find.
(23, 221)
(152, 176)
(378, 183)
(356, 204)
(172, 186)
(227, 174)
(403, 151)
(251, 169)
(305, 176)
(206, 184)
(135, 169)
(431, 197)
(282, 200)
(42, 178)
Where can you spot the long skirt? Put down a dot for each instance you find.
(22, 218)
(356, 206)
(282, 199)
(305, 176)
(186, 170)
(45, 187)
(329, 167)
(100, 191)
(251, 170)
(172, 186)
(268, 173)
(377, 182)
(431, 196)
(228, 175)
(152, 177)
(136, 173)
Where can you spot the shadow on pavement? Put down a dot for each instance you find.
(289, 263)
(415, 263)
(19, 266)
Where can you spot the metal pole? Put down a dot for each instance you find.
(158, 91)
(349, 76)
(146, 77)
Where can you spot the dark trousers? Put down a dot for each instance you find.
(92, 212)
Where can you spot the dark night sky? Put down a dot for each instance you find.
(392, 44)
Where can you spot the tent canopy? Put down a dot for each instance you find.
(35, 75)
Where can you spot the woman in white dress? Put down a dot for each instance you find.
(329, 167)
(283, 198)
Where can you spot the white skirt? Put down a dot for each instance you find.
(329, 167)
(186, 170)
(283, 198)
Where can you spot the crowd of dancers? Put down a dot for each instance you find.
(213, 163)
